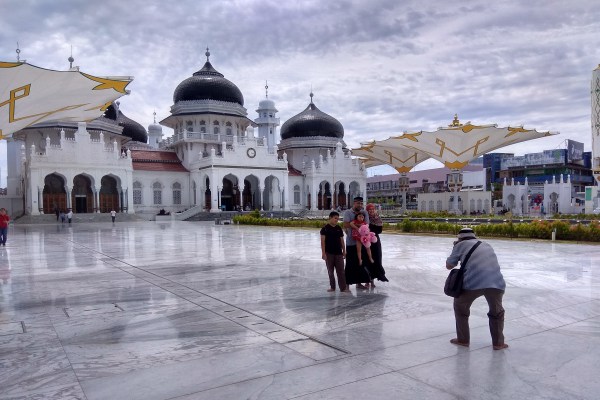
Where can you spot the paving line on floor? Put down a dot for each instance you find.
(232, 319)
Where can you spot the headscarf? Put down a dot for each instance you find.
(374, 218)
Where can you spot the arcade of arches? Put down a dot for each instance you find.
(232, 196)
(81, 197)
(268, 195)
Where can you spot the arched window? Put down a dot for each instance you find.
(216, 127)
(203, 126)
(228, 128)
(190, 126)
(296, 194)
(137, 193)
(177, 193)
(157, 189)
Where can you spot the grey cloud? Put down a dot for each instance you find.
(380, 67)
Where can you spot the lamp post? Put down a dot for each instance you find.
(403, 185)
(455, 182)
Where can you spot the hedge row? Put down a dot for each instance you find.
(526, 230)
(253, 220)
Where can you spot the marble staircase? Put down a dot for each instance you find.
(78, 218)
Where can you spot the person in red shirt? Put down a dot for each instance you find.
(4, 218)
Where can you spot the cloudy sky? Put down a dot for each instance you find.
(379, 66)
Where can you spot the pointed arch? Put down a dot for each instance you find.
(110, 190)
(54, 193)
(250, 193)
(82, 194)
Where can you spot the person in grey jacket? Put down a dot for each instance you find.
(481, 278)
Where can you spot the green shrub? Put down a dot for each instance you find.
(530, 230)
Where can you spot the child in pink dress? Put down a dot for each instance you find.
(356, 225)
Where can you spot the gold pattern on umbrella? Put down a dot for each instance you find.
(30, 94)
(456, 145)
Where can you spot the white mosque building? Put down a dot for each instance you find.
(218, 159)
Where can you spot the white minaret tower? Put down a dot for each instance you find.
(267, 120)
(154, 133)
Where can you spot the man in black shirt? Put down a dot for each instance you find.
(333, 251)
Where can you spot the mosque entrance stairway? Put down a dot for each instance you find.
(77, 218)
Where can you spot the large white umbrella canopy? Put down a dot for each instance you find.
(30, 94)
(458, 144)
(379, 153)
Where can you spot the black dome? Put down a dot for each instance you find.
(131, 128)
(312, 122)
(208, 84)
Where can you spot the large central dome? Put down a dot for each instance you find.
(208, 84)
(312, 122)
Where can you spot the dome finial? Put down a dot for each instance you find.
(18, 52)
(207, 54)
(311, 94)
(71, 59)
(455, 122)
(154, 116)
(266, 89)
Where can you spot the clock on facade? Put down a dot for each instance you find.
(251, 152)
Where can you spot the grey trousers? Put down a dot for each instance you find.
(462, 310)
(335, 263)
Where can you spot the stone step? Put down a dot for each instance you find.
(78, 218)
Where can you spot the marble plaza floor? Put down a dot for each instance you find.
(185, 310)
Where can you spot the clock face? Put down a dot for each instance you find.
(251, 152)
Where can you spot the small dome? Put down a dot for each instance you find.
(266, 104)
(131, 128)
(155, 128)
(312, 122)
(208, 84)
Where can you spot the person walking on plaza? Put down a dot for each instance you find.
(355, 274)
(376, 269)
(4, 219)
(333, 252)
(482, 277)
(70, 216)
(113, 215)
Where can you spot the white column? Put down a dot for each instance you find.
(214, 193)
(68, 190)
(96, 199)
(313, 199)
(39, 200)
(219, 204)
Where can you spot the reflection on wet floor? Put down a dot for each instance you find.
(202, 311)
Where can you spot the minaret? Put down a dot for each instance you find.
(267, 120)
(71, 60)
(595, 92)
(154, 133)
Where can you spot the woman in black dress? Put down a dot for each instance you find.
(376, 269)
